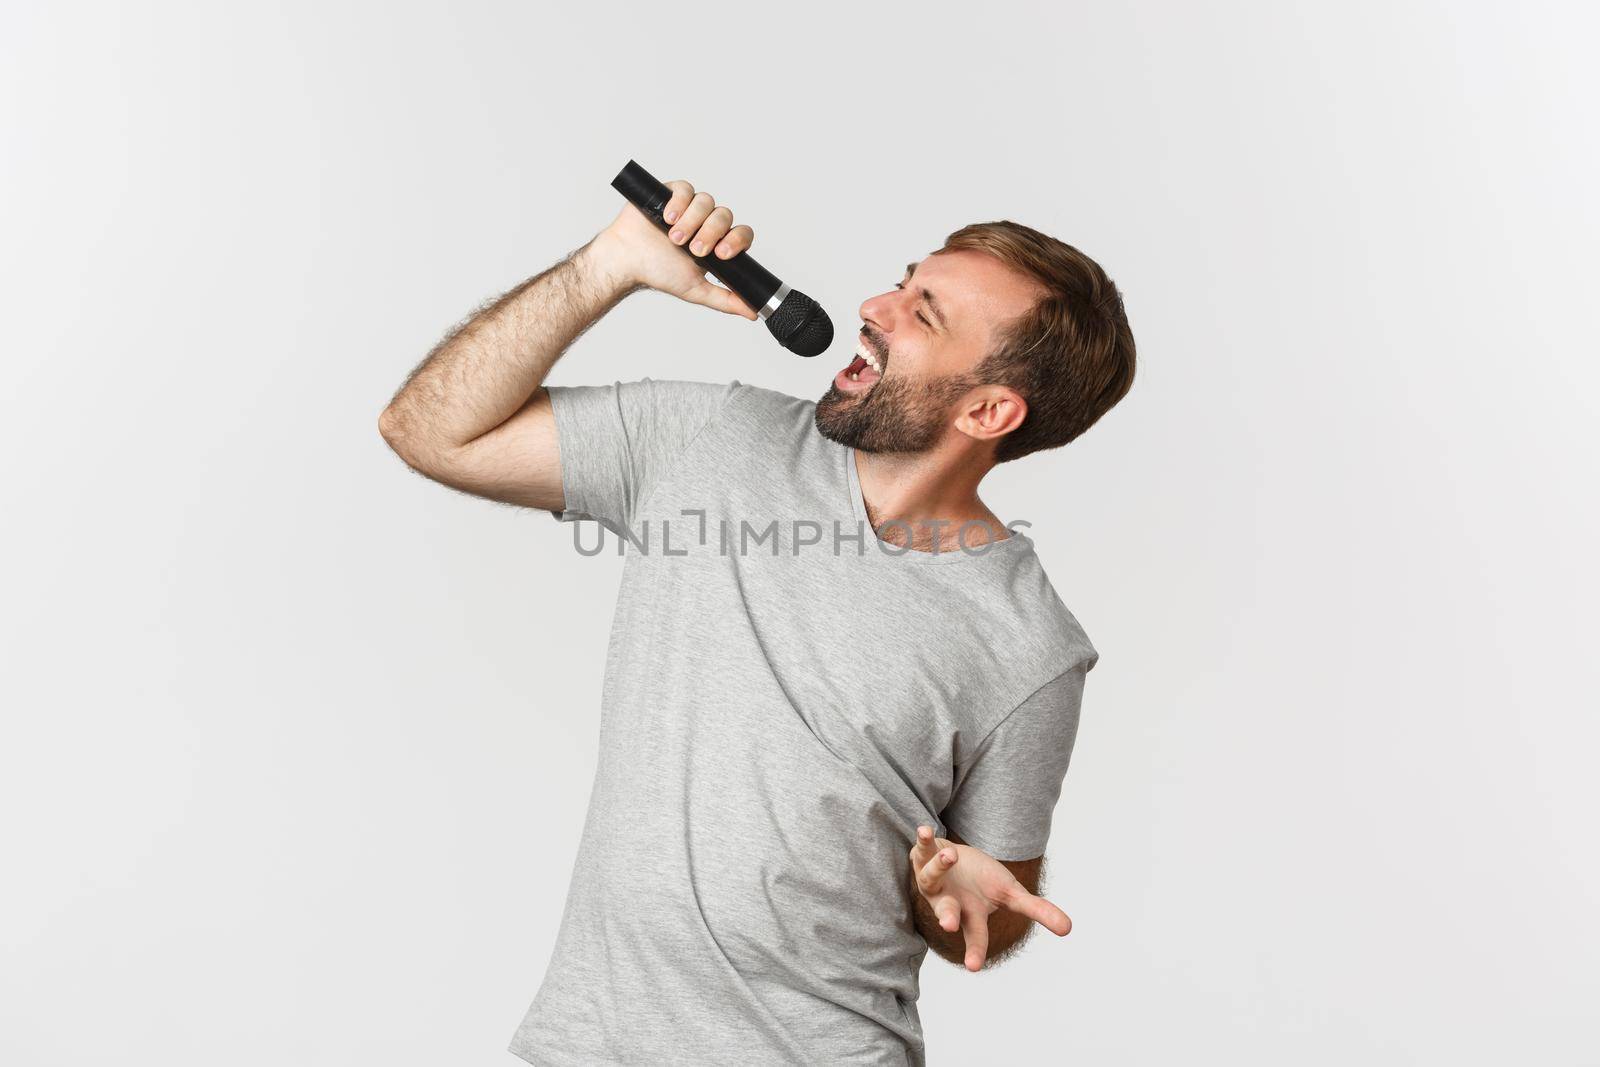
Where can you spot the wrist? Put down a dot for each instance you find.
(605, 262)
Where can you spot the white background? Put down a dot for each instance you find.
(297, 745)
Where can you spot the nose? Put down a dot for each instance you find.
(882, 312)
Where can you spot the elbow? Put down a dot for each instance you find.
(393, 425)
(389, 425)
(392, 428)
(417, 445)
(400, 434)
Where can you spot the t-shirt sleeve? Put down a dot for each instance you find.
(619, 441)
(1006, 792)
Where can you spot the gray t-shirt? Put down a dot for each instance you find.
(786, 697)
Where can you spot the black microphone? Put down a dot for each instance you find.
(796, 320)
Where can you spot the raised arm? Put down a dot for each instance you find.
(474, 415)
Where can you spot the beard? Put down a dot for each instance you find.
(895, 415)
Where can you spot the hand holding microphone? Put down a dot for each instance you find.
(669, 237)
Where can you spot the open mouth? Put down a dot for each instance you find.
(862, 372)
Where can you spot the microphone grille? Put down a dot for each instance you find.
(800, 325)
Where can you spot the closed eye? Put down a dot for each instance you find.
(925, 322)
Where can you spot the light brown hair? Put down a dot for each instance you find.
(1071, 356)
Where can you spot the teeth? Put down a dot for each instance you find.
(867, 354)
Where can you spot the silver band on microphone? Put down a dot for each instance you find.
(772, 303)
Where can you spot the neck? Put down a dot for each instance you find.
(931, 493)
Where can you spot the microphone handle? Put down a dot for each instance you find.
(755, 284)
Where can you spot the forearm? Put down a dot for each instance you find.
(485, 370)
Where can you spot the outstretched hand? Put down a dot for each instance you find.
(965, 885)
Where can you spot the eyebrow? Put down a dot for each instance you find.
(929, 299)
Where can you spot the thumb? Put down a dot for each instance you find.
(718, 298)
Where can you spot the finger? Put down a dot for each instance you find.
(1040, 911)
(926, 844)
(694, 214)
(716, 226)
(931, 876)
(682, 192)
(923, 850)
(715, 296)
(948, 912)
(975, 927)
(739, 240)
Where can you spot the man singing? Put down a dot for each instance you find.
(840, 695)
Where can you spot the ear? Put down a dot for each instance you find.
(991, 412)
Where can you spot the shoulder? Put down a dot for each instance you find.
(759, 402)
(645, 395)
(718, 416)
(755, 414)
(732, 398)
(683, 391)
(1051, 636)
